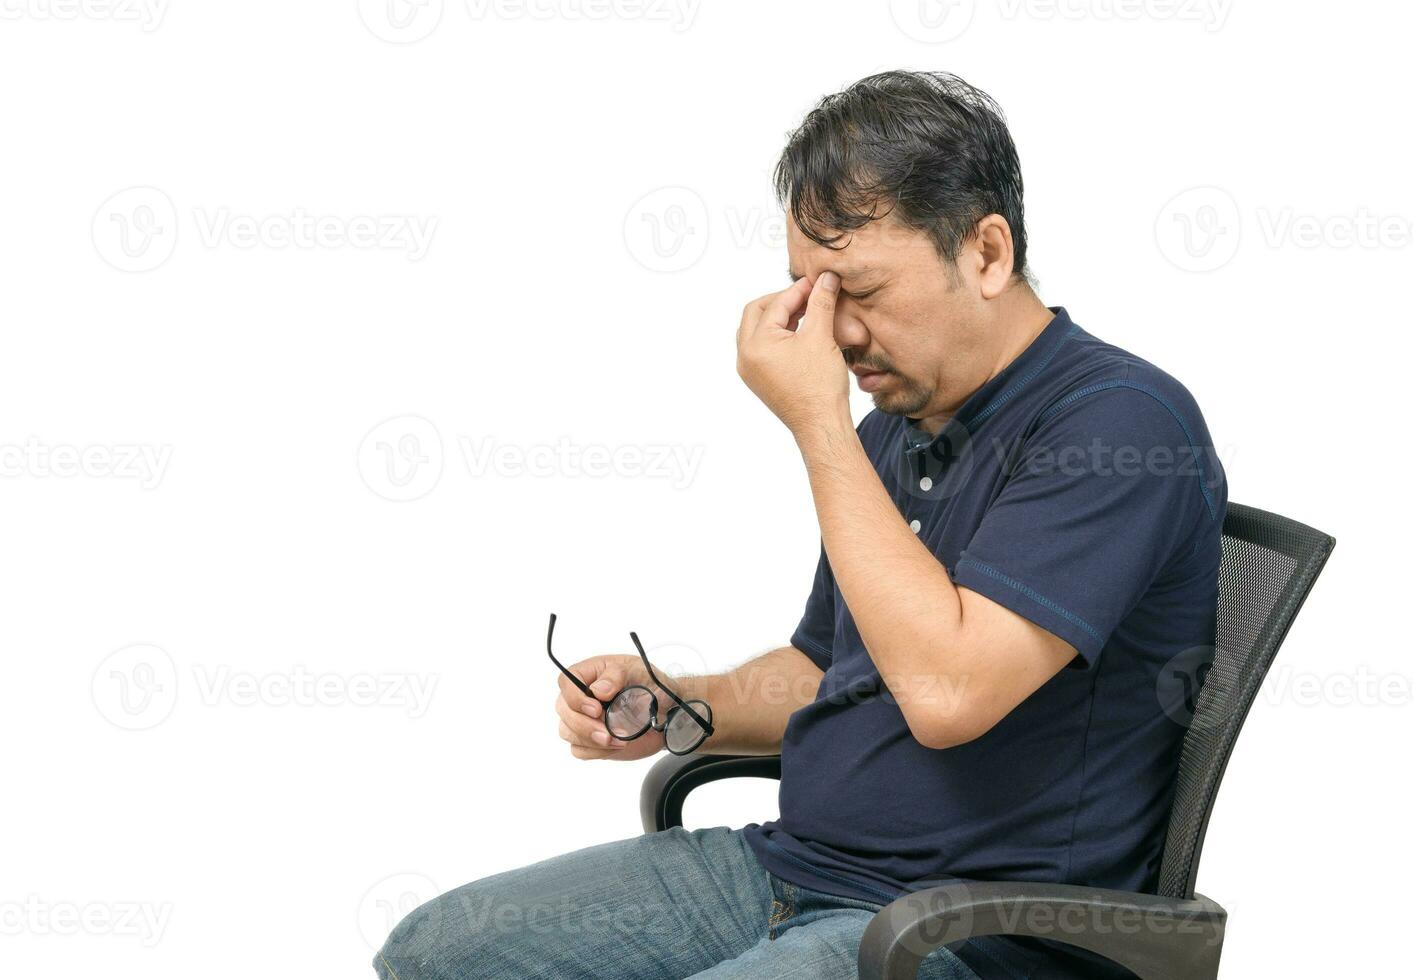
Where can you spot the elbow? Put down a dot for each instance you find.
(946, 730)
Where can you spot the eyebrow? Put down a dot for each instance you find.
(845, 273)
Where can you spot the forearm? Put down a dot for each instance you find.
(907, 610)
(752, 703)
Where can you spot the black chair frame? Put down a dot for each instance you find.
(1269, 564)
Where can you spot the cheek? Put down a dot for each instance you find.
(918, 330)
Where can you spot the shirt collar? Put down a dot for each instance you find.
(926, 458)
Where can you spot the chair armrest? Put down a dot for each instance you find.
(1157, 938)
(674, 776)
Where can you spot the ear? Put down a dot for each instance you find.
(996, 255)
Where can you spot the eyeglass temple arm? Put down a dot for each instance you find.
(549, 648)
(706, 726)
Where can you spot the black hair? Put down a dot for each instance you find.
(926, 146)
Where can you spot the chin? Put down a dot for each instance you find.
(899, 403)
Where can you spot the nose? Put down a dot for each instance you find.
(849, 330)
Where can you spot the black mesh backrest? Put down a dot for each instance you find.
(1269, 564)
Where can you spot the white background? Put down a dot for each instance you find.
(567, 313)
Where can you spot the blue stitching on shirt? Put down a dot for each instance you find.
(1050, 413)
(818, 648)
(1010, 392)
(826, 652)
(1031, 594)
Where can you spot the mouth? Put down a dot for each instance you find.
(868, 378)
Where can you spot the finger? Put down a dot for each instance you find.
(588, 671)
(608, 683)
(580, 727)
(784, 307)
(751, 314)
(795, 318)
(572, 694)
(819, 311)
(776, 311)
(584, 752)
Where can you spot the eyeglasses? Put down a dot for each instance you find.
(633, 710)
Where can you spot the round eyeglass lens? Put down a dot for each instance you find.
(630, 712)
(683, 734)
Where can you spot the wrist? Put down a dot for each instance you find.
(827, 434)
(638, 674)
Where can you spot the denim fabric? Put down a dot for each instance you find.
(663, 906)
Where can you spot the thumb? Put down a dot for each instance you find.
(609, 682)
(819, 312)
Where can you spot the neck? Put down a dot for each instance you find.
(1020, 317)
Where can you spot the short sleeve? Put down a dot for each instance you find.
(1103, 494)
(814, 637)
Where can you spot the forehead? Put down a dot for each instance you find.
(881, 247)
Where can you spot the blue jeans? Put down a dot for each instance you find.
(663, 906)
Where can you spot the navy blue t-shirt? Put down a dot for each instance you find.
(1079, 489)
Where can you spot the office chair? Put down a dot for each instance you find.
(1269, 564)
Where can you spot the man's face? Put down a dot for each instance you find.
(905, 316)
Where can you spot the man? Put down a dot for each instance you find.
(1015, 543)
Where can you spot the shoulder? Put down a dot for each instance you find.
(1120, 407)
(1108, 387)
